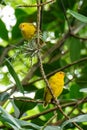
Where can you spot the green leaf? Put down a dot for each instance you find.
(81, 118)
(39, 94)
(28, 88)
(23, 106)
(5, 117)
(13, 122)
(14, 75)
(78, 16)
(38, 121)
(82, 79)
(2, 2)
(16, 110)
(84, 90)
(4, 96)
(75, 47)
(74, 91)
(30, 125)
(52, 128)
(3, 31)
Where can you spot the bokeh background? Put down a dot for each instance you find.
(64, 30)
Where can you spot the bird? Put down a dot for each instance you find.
(56, 83)
(29, 33)
(28, 30)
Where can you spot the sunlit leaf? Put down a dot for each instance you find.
(84, 90)
(16, 110)
(78, 16)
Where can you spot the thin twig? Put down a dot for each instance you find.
(78, 103)
(67, 117)
(41, 16)
(61, 69)
(26, 99)
(37, 5)
(75, 106)
(64, 105)
(42, 128)
(6, 90)
(78, 37)
(39, 54)
(40, 114)
(67, 66)
(42, 70)
(35, 66)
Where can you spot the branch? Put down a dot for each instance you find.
(69, 65)
(42, 70)
(55, 108)
(25, 99)
(60, 69)
(78, 37)
(39, 54)
(48, 52)
(76, 105)
(37, 5)
(47, 123)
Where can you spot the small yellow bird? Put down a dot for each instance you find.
(56, 83)
(28, 30)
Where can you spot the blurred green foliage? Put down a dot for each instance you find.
(66, 43)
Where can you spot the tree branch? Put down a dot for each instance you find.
(37, 5)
